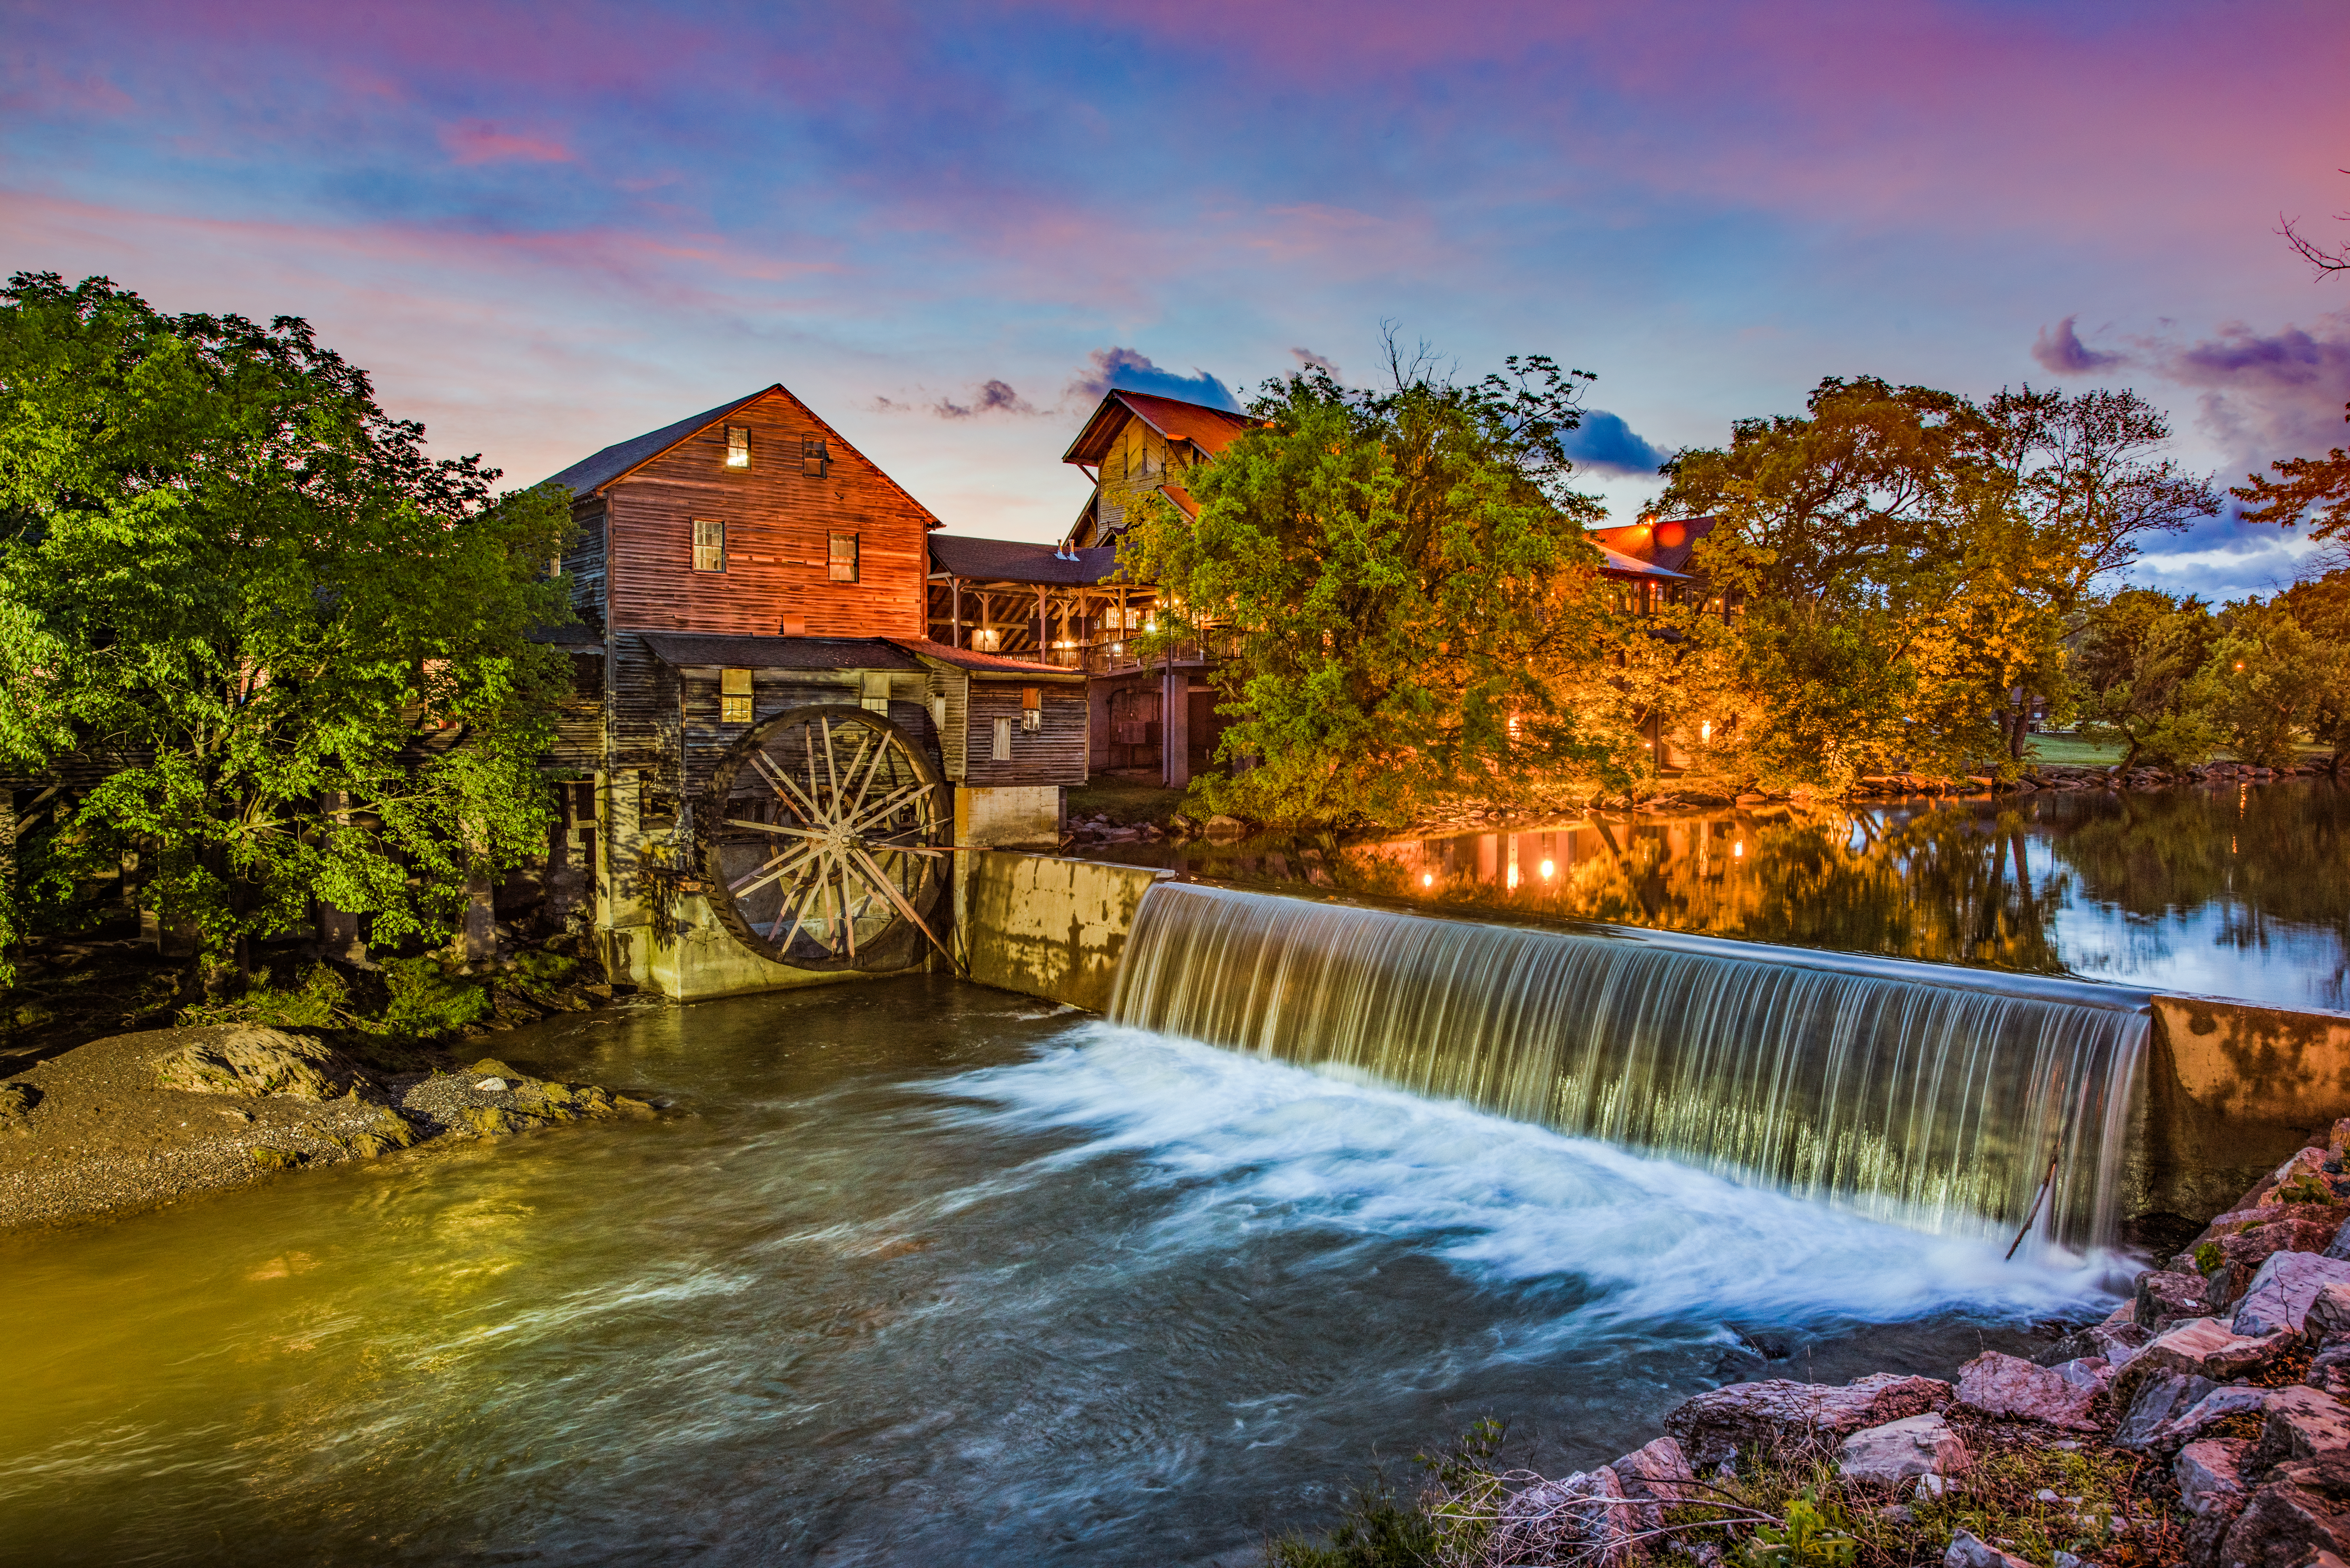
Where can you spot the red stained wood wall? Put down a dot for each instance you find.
(779, 522)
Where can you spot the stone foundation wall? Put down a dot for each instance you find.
(1044, 926)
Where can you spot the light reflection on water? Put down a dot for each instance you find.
(918, 1276)
(2240, 891)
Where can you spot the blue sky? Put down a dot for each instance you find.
(545, 228)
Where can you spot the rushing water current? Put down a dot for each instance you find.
(913, 1273)
(1933, 1096)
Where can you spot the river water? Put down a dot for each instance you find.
(913, 1273)
(2239, 891)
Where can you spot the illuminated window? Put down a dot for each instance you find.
(1004, 740)
(733, 696)
(738, 446)
(812, 456)
(709, 547)
(844, 558)
(1031, 709)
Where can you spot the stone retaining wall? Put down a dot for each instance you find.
(1046, 926)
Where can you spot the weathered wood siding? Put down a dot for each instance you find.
(583, 560)
(779, 522)
(1055, 754)
(950, 690)
(772, 692)
(579, 720)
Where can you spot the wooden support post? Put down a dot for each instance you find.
(338, 929)
(954, 633)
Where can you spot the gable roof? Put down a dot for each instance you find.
(619, 460)
(1666, 543)
(590, 474)
(1017, 561)
(1209, 429)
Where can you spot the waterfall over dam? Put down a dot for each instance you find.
(1949, 1100)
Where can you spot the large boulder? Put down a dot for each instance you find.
(2000, 1385)
(2303, 1509)
(1654, 1476)
(1901, 1450)
(1583, 1519)
(2203, 1347)
(2285, 1288)
(258, 1062)
(2235, 1400)
(2300, 1423)
(1713, 1426)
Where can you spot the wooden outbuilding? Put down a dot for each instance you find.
(779, 757)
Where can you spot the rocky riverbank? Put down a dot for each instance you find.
(132, 1121)
(2205, 1422)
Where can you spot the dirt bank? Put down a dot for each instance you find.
(90, 1131)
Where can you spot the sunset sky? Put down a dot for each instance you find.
(546, 228)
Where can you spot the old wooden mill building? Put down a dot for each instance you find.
(796, 699)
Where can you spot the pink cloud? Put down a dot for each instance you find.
(480, 141)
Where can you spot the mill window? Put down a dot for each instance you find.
(844, 558)
(709, 546)
(1004, 740)
(812, 456)
(733, 696)
(1031, 708)
(738, 446)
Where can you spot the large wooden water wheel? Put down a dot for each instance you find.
(824, 844)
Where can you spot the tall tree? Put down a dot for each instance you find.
(2266, 680)
(295, 644)
(2137, 656)
(1393, 577)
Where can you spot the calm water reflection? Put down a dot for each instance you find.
(2243, 891)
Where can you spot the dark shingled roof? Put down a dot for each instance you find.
(679, 650)
(589, 474)
(1015, 561)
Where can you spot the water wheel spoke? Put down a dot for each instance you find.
(881, 879)
(779, 866)
(878, 812)
(772, 828)
(785, 789)
(848, 871)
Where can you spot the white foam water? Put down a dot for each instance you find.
(1253, 1144)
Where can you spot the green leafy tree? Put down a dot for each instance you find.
(1399, 581)
(2135, 662)
(1908, 559)
(294, 644)
(2322, 608)
(2266, 682)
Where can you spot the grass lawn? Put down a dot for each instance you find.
(1125, 802)
(2081, 750)
(2105, 751)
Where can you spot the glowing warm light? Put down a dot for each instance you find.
(1705, 730)
(1513, 877)
(1428, 879)
(1119, 650)
(1546, 870)
(1738, 850)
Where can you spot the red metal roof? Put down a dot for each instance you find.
(1209, 429)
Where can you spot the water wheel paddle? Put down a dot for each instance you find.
(823, 846)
